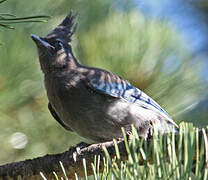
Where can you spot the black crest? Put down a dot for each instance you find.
(66, 29)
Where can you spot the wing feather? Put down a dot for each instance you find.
(120, 88)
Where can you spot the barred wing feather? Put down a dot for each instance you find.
(129, 93)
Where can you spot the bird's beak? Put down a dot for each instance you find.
(40, 42)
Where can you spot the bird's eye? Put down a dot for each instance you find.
(58, 45)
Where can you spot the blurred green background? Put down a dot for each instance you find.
(120, 36)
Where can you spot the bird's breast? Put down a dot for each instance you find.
(61, 93)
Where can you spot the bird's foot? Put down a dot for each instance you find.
(129, 135)
(80, 146)
(77, 149)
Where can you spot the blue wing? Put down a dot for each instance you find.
(117, 87)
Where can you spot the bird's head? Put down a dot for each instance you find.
(54, 50)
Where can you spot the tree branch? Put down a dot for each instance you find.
(71, 159)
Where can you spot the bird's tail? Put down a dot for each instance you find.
(66, 29)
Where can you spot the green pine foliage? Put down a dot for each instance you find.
(7, 19)
(172, 157)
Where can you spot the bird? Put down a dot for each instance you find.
(93, 102)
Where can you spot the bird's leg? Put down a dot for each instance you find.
(150, 132)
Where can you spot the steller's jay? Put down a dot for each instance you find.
(93, 102)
